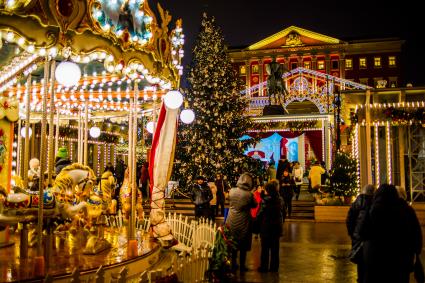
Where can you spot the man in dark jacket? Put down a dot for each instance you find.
(222, 188)
(392, 237)
(201, 196)
(281, 166)
(62, 160)
(356, 215)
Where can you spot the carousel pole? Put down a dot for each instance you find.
(130, 162)
(133, 163)
(39, 260)
(57, 131)
(86, 132)
(27, 130)
(79, 143)
(51, 123)
(19, 150)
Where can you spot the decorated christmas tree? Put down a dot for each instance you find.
(344, 175)
(211, 144)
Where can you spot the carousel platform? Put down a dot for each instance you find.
(66, 259)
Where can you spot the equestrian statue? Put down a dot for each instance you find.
(276, 89)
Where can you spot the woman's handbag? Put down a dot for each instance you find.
(418, 270)
(356, 252)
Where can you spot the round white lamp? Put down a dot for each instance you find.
(68, 73)
(187, 116)
(95, 132)
(150, 127)
(173, 99)
(23, 132)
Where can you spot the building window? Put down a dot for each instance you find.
(254, 69)
(391, 61)
(348, 64)
(393, 82)
(364, 81)
(320, 65)
(334, 64)
(377, 62)
(294, 65)
(362, 63)
(307, 64)
(242, 70)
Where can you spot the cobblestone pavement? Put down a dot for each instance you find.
(309, 252)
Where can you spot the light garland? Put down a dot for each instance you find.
(377, 169)
(282, 130)
(389, 155)
(413, 104)
(71, 151)
(99, 148)
(356, 152)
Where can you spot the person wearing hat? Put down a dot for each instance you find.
(62, 159)
(201, 196)
(239, 220)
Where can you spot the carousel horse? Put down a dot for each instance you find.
(125, 198)
(100, 200)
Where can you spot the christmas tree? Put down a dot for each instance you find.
(211, 144)
(344, 175)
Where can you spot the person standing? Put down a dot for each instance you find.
(213, 201)
(144, 180)
(392, 238)
(315, 175)
(298, 175)
(271, 216)
(62, 160)
(287, 191)
(271, 172)
(222, 189)
(356, 215)
(201, 197)
(239, 218)
(281, 166)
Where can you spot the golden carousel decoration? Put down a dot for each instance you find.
(83, 60)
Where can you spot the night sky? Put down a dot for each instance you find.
(246, 22)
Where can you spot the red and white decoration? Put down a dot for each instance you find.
(160, 165)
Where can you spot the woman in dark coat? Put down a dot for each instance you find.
(392, 237)
(239, 219)
(271, 216)
(287, 185)
(355, 217)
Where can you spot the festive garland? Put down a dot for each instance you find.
(397, 116)
(220, 262)
(294, 126)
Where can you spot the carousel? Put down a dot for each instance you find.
(68, 71)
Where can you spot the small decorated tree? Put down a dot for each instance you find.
(343, 175)
(221, 261)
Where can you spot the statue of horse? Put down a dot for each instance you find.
(275, 85)
(125, 198)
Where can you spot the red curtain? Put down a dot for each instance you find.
(315, 140)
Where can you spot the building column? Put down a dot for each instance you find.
(368, 141)
(260, 77)
(328, 64)
(314, 62)
(401, 145)
(248, 77)
(300, 60)
(288, 67)
(342, 65)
